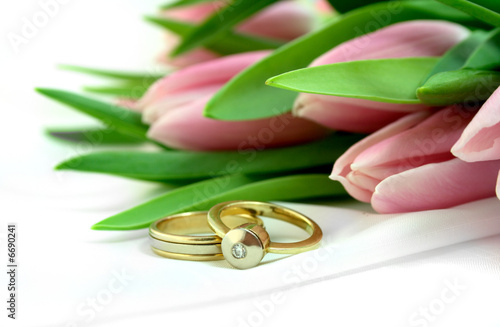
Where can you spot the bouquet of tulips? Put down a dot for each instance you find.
(261, 97)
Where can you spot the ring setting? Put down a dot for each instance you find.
(245, 246)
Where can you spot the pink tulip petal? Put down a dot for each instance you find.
(481, 138)
(174, 101)
(355, 191)
(428, 142)
(323, 6)
(436, 186)
(368, 185)
(217, 71)
(353, 115)
(417, 38)
(498, 186)
(342, 166)
(195, 13)
(203, 76)
(274, 21)
(186, 128)
(406, 108)
(380, 173)
(191, 58)
(126, 103)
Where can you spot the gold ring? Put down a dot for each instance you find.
(190, 257)
(245, 246)
(171, 236)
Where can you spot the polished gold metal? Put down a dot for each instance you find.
(198, 249)
(190, 257)
(245, 246)
(171, 236)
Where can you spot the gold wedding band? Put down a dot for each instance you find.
(245, 246)
(172, 237)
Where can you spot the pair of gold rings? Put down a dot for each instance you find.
(240, 236)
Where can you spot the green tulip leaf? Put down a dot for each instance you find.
(456, 57)
(131, 85)
(94, 136)
(115, 74)
(382, 80)
(343, 6)
(229, 43)
(260, 101)
(203, 195)
(123, 120)
(466, 85)
(178, 165)
(461, 75)
(220, 22)
(485, 10)
(128, 90)
(487, 54)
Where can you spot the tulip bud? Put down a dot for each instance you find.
(498, 186)
(480, 140)
(408, 166)
(436, 186)
(192, 83)
(275, 21)
(187, 128)
(407, 39)
(174, 107)
(272, 22)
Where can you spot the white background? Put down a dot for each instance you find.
(63, 264)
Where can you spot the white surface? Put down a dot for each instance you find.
(370, 277)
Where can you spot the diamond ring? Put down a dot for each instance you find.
(245, 246)
(174, 236)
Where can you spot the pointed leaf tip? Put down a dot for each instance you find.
(121, 119)
(385, 80)
(42, 90)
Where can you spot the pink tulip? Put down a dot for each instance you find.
(273, 22)
(324, 7)
(192, 57)
(192, 83)
(480, 140)
(195, 13)
(436, 186)
(192, 14)
(174, 106)
(408, 166)
(284, 20)
(498, 186)
(418, 38)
